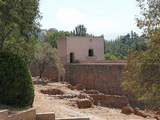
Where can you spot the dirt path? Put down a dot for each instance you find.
(62, 108)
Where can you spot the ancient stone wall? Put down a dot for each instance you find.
(25, 115)
(29, 114)
(105, 77)
(73, 119)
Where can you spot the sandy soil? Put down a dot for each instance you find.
(63, 108)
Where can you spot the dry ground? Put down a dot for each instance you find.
(63, 108)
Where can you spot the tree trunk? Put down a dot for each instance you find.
(41, 69)
(1, 44)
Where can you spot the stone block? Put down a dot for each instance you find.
(45, 116)
(4, 115)
(24, 115)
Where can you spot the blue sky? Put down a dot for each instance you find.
(108, 17)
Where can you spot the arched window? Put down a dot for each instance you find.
(90, 52)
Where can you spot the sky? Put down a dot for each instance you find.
(110, 18)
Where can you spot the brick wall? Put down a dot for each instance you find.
(105, 77)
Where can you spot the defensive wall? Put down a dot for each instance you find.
(104, 77)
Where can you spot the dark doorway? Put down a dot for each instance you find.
(90, 52)
(71, 57)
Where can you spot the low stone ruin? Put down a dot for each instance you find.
(129, 110)
(41, 81)
(52, 92)
(31, 114)
(92, 92)
(110, 100)
(84, 103)
(79, 87)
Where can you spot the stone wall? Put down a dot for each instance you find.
(4, 115)
(73, 119)
(105, 77)
(29, 114)
(32, 115)
(45, 116)
(25, 115)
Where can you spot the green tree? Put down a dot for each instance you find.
(18, 20)
(53, 37)
(80, 30)
(47, 55)
(16, 87)
(22, 48)
(119, 48)
(142, 72)
(149, 20)
(18, 29)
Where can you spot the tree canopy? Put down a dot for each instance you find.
(18, 20)
(80, 30)
(53, 37)
(142, 72)
(119, 48)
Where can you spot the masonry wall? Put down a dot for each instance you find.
(29, 114)
(105, 77)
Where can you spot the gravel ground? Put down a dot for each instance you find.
(63, 108)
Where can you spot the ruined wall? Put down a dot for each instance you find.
(105, 77)
(24, 115)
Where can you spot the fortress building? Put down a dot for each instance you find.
(81, 49)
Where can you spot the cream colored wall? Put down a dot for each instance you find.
(62, 49)
(80, 46)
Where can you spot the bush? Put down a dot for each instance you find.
(16, 87)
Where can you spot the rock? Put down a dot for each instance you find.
(84, 103)
(110, 100)
(127, 110)
(67, 96)
(83, 96)
(41, 81)
(158, 112)
(79, 87)
(157, 118)
(52, 92)
(139, 113)
(92, 92)
(70, 86)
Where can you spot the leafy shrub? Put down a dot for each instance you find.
(142, 77)
(16, 88)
